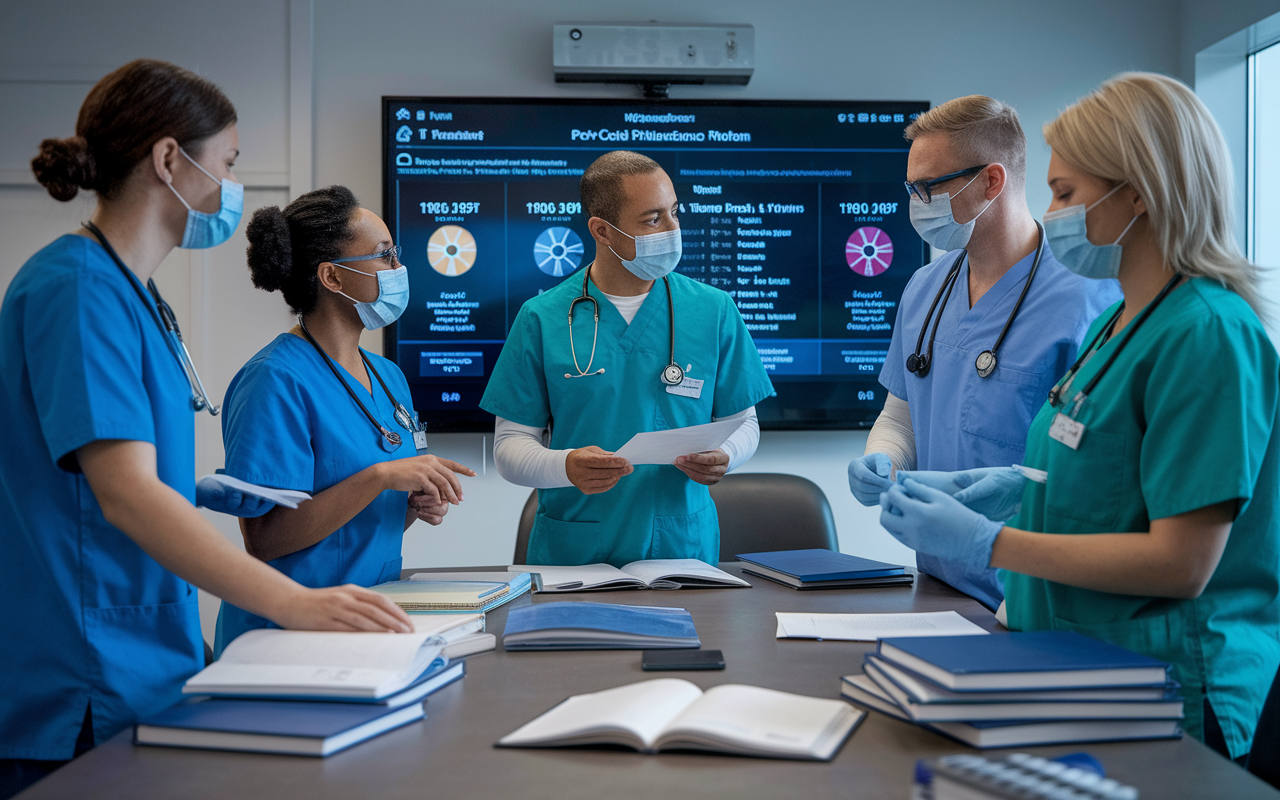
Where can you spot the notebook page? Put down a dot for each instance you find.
(759, 719)
(653, 571)
(396, 652)
(643, 709)
(572, 579)
(869, 627)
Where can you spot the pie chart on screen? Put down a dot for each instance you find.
(869, 251)
(558, 251)
(451, 250)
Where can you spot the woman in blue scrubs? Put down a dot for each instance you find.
(313, 411)
(97, 474)
(1156, 526)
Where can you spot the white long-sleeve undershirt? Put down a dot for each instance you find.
(893, 435)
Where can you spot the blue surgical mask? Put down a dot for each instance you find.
(937, 225)
(210, 230)
(1067, 234)
(393, 297)
(656, 253)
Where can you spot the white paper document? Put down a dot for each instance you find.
(664, 447)
(870, 627)
(281, 497)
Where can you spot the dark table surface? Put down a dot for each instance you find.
(451, 753)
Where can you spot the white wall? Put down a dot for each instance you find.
(307, 75)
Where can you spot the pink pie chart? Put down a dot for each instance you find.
(869, 251)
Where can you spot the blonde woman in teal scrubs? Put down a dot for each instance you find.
(1156, 529)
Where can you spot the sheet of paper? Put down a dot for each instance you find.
(568, 579)
(664, 447)
(655, 569)
(869, 627)
(281, 497)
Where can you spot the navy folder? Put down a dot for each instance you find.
(821, 565)
(598, 626)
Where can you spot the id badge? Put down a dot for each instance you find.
(420, 441)
(689, 387)
(1066, 430)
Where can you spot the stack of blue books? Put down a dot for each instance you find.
(1017, 689)
(598, 626)
(823, 569)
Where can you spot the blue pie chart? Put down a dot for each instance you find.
(558, 251)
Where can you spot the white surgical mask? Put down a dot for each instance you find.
(1067, 234)
(656, 253)
(937, 225)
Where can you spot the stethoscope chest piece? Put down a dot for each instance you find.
(918, 364)
(673, 375)
(986, 363)
(390, 441)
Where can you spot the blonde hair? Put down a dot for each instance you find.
(981, 131)
(1153, 132)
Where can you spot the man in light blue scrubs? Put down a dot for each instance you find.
(983, 332)
(621, 369)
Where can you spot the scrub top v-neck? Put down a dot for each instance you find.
(288, 423)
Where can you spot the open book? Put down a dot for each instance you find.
(671, 714)
(269, 662)
(288, 498)
(658, 573)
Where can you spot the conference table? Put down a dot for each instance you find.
(451, 753)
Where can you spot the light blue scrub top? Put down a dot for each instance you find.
(962, 421)
(289, 424)
(655, 512)
(90, 619)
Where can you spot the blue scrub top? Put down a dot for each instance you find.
(657, 511)
(962, 421)
(288, 423)
(90, 619)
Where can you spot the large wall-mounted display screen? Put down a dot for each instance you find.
(794, 208)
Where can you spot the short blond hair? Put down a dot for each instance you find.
(1152, 132)
(982, 130)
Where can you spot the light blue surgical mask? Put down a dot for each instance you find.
(656, 253)
(1067, 234)
(210, 230)
(936, 223)
(393, 297)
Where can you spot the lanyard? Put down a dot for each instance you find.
(390, 439)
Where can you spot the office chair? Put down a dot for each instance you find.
(1264, 759)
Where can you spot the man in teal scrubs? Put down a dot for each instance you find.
(602, 382)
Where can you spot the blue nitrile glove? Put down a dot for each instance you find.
(215, 496)
(869, 476)
(994, 492)
(933, 522)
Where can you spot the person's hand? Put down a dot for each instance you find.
(869, 476)
(994, 492)
(430, 476)
(704, 468)
(216, 497)
(342, 608)
(429, 512)
(933, 522)
(594, 470)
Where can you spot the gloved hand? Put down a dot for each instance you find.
(215, 496)
(931, 521)
(869, 476)
(994, 492)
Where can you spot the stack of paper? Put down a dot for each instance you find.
(1036, 688)
(425, 593)
(870, 627)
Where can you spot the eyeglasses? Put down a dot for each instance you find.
(391, 255)
(923, 189)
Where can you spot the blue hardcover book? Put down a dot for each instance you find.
(271, 726)
(598, 626)
(1031, 660)
(821, 569)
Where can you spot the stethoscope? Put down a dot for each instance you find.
(920, 362)
(672, 373)
(168, 324)
(390, 440)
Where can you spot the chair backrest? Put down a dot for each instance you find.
(763, 511)
(1264, 759)
(758, 511)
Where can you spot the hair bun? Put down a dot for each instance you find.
(64, 167)
(270, 253)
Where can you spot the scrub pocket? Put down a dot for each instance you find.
(695, 535)
(1012, 400)
(1097, 499)
(554, 541)
(391, 570)
(140, 657)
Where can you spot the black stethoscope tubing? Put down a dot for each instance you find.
(672, 374)
(919, 363)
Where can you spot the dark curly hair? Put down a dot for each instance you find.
(123, 116)
(285, 247)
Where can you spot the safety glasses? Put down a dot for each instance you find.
(391, 255)
(923, 189)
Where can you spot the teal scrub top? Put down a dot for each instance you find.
(90, 619)
(288, 423)
(1185, 418)
(657, 511)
